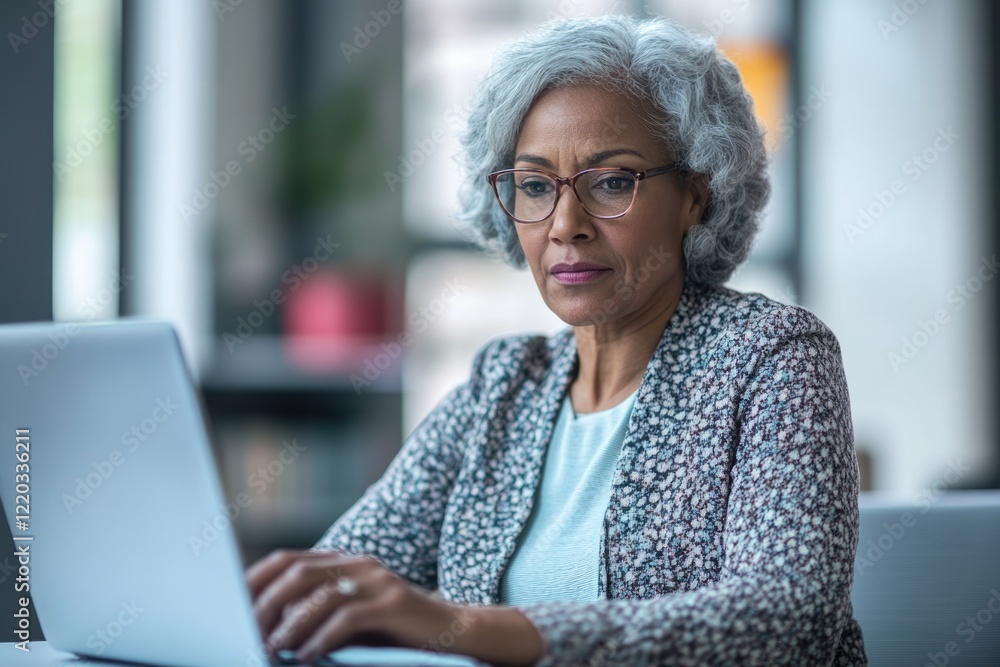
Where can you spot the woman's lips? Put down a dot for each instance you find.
(576, 274)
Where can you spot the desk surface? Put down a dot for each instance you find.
(43, 655)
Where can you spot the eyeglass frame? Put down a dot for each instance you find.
(571, 181)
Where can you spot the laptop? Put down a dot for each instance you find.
(927, 576)
(118, 482)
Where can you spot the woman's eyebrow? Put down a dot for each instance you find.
(535, 159)
(590, 160)
(614, 152)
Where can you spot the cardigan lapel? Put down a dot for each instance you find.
(542, 398)
(661, 394)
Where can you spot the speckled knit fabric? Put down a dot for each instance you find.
(733, 522)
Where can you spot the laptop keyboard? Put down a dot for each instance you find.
(288, 658)
(357, 656)
(285, 658)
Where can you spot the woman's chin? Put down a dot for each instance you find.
(580, 315)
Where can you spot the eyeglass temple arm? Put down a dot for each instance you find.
(649, 173)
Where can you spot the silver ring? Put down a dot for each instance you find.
(346, 586)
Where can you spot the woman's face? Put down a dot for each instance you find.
(639, 255)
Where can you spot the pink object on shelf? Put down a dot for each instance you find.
(334, 318)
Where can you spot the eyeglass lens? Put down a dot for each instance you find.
(530, 196)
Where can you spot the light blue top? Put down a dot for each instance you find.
(558, 552)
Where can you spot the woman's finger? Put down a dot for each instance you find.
(347, 621)
(296, 581)
(263, 572)
(305, 616)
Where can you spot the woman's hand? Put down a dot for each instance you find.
(315, 602)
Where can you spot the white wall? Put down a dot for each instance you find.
(899, 84)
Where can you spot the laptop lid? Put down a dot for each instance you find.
(120, 479)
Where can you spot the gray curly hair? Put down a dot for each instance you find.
(700, 107)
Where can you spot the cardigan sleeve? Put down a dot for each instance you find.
(783, 592)
(398, 518)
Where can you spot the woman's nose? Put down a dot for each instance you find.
(570, 221)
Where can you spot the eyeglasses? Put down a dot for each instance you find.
(531, 195)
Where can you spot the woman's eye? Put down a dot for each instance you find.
(614, 183)
(535, 188)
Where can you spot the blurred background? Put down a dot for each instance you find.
(278, 179)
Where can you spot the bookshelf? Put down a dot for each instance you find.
(301, 445)
(308, 254)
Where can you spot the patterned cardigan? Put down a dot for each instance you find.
(732, 527)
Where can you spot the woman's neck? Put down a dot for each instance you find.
(613, 357)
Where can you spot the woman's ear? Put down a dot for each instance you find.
(697, 197)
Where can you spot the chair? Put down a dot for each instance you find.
(927, 579)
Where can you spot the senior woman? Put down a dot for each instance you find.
(671, 479)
